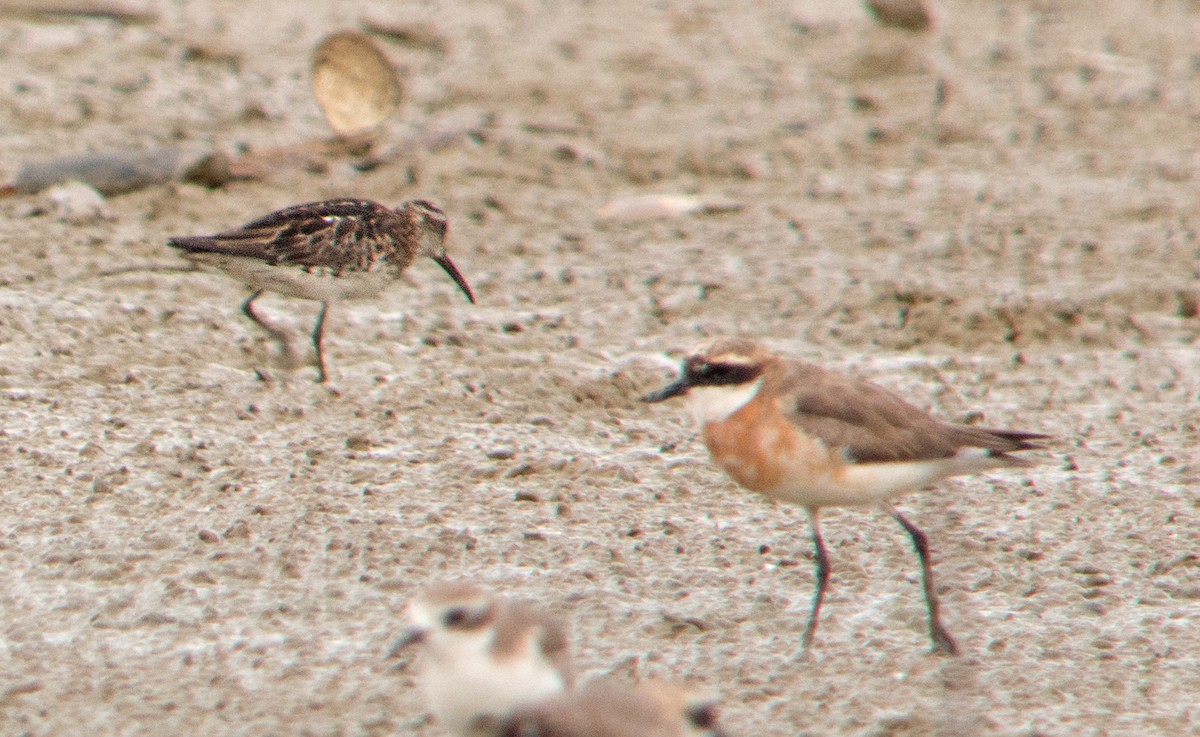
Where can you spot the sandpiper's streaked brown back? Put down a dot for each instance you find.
(800, 434)
(326, 251)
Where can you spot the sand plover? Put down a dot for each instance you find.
(799, 434)
(607, 707)
(325, 251)
(485, 655)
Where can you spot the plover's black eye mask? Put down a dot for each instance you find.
(465, 618)
(702, 373)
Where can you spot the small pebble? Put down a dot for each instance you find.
(77, 203)
(650, 207)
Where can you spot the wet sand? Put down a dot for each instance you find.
(994, 217)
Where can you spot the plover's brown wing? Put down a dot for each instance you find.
(334, 234)
(555, 646)
(520, 619)
(871, 424)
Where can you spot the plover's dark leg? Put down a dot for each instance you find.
(280, 335)
(942, 641)
(822, 559)
(318, 334)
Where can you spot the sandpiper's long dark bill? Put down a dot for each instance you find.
(799, 434)
(325, 251)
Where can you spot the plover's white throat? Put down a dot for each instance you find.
(325, 251)
(799, 434)
(484, 655)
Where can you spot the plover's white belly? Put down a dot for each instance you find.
(481, 687)
(317, 284)
(871, 483)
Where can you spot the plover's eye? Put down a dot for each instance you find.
(455, 617)
(703, 716)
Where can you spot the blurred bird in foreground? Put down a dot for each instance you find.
(484, 655)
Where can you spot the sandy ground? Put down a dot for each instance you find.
(188, 550)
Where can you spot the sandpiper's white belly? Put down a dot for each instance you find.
(293, 281)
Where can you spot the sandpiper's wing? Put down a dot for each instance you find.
(337, 234)
(873, 425)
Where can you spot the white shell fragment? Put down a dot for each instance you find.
(661, 206)
(354, 83)
(76, 203)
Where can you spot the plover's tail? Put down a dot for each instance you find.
(1020, 440)
(997, 445)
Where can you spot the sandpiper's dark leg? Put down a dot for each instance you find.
(273, 330)
(280, 335)
(318, 334)
(822, 577)
(942, 641)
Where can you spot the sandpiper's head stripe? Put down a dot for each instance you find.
(425, 205)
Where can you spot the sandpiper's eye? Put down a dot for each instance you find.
(455, 617)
